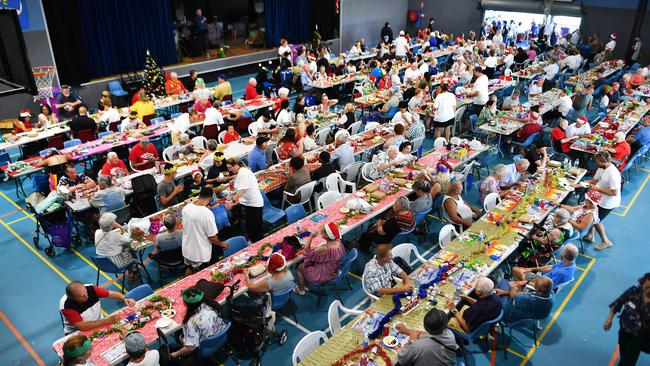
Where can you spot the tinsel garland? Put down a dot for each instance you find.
(342, 361)
(144, 312)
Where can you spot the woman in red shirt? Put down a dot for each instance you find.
(114, 167)
(230, 135)
(385, 82)
(251, 90)
(562, 143)
(22, 123)
(287, 147)
(620, 149)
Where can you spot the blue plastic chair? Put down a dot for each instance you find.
(4, 158)
(175, 115)
(270, 214)
(478, 332)
(520, 324)
(342, 274)
(280, 299)
(157, 120)
(235, 244)
(104, 134)
(104, 264)
(527, 142)
(421, 218)
(71, 143)
(402, 237)
(139, 292)
(211, 345)
(44, 153)
(437, 205)
(295, 213)
(115, 87)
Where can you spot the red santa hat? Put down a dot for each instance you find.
(613, 35)
(276, 263)
(25, 113)
(583, 119)
(195, 172)
(332, 231)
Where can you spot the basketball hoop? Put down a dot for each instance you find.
(43, 76)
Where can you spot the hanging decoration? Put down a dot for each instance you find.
(337, 5)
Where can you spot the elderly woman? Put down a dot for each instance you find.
(251, 90)
(287, 147)
(459, 211)
(399, 219)
(114, 167)
(77, 350)
(280, 278)
(321, 262)
(546, 241)
(586, 215)
(491, 183)
(383, 162)
(239, 111)
(113, 242)
(423, 202)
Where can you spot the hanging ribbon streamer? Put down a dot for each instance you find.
(336, 4)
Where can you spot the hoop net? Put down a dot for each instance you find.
(43, 76)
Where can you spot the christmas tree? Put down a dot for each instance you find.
(154, 77)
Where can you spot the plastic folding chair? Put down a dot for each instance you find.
(307, 345)
(304, 192)
(335, 183)
(211, 345)
(342, 274)
(235, 244)
(333, 317)
(447, 234)
(327, 199)
(270, 214)
(139, 292)
(491, 200)
(406, 251)
(295, 213)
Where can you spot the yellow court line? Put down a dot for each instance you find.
(557, 313)
(91, 264)
(636, 195)
(580, 268)
(354, 276)
(586, 256)
(20, 219)
(515, 353)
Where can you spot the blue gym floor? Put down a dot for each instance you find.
(33, 284)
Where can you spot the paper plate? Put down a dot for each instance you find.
(390, 341)
(344, 210)
(163, 322)
(360, 194)
(168, 313)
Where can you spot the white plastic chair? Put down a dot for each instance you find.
(305, 192)
(363, 285)
(491, 200)
(252, 129)
(199, 143)
(220, 136)
(365, 172)
(352, 171)
(405, 251)
(321, 135)
(455, 140)
(447, 234)
(307, 345)
(371, 126)
(561, 286)
(327, 199)
(458, 119)
(168, 154)
(417, 143)
(354, 128)
(334, 182)
(333, 315)
(341, 132)
(462, 175)
(439, 142)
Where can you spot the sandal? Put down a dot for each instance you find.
(298, 291)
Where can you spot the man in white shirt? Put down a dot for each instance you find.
(344, 153)
(579, 128)
(412, 73)
(610, 46)
(479, 93)
(248, 196)
(131, 122)
(536, 88)
(212, 117)
(401, 45)
(511, 101)
(607, 182)
(445, 109)
(550, 71)
(264, 125)
(200, 233)
(563, 107)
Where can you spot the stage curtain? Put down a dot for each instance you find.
(117, 33)
(323, 14)
(290, 19)
(64, 27)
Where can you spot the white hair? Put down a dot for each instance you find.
(184, 137)
(392, 148)
(619, 136)
(252, 81)
(173, 74)
(283, 92)
(342, 138)
(111, 154)
(523, 162)
(500, 170)
(563, 215)
(107, 221)
(241, 102)
(485, 286)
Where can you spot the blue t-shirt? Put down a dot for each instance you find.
(376, 72)
(526, 306)
(256, 159)
(561, 273)
(433, 70)
(643, 136)
(433, 42)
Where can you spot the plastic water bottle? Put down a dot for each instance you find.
(366, 340)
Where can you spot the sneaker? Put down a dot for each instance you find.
(603, 245)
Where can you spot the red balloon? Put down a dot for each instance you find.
(412, 16)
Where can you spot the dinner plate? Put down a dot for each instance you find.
(344, 210)
(390, 341)
(168, 313)
(360, 194)
(163, 322)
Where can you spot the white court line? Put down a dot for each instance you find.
(290, 321)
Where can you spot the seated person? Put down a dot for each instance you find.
(307, 142)
(287, 147)
(545, 242)
(138, 351)
(82, 123)
(22, 124)
(641, 135)
(298, 177)
(173, 86)
(562, 142)
(487, 113)
(184, 146)
(170, 238)
(379, 272)
(536, 155)
(143, 155)
(404, 156)
(478, 311)
(580, 128)
(196, 183)
(168, 191)
(264, 125)
(491, 183)
(459, 211)
(585, 215)
(132, 122)
(327, 167)
(280, 279)
(511, 101)
(75, 181)
(108, 197)
(397, 220)
(257, 157)
(231, 134)
(343, 152)
(114, 167)
(113, 242)
(321, 263)
(81, 309)
(619, 149)
(515, 174)
(423, 202)
(383, 162)
(520, 304)
(559, 273)
(54, 158)
(201, 321)
(531, 127)
(436, 345)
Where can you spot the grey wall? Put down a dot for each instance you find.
(365, 18)
(452, 16)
